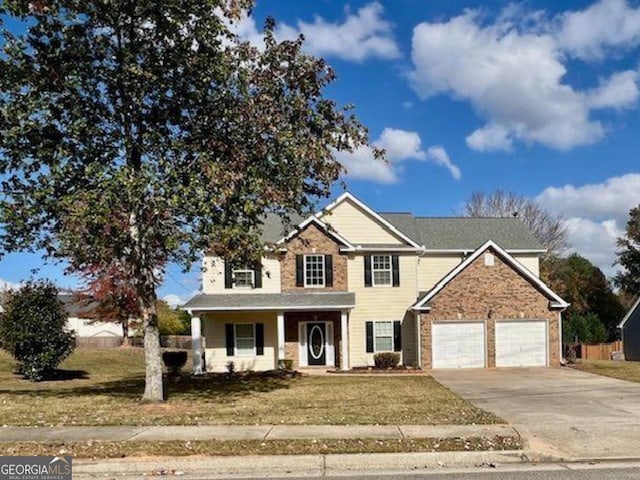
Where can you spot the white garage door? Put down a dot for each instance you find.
(521, 343)
(458, 344)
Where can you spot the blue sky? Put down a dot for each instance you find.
(538, 97)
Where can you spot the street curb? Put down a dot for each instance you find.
(293, 464)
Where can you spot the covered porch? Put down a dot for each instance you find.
(260, 331)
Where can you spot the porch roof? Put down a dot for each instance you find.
(272, 301)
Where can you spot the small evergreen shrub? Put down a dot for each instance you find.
(33, 330)
(174, 360)
(386, 360)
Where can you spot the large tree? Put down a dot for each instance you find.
(629, 256)
(589, 292)
(549, 229)
(145, 131)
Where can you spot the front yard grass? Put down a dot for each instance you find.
(622, 370)
(103, 387)
(258, 447)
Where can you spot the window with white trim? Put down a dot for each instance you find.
(245, 339)
(381, 272)
(314, 271)
(243, 278)
(383, 336)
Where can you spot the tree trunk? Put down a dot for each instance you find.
(153, 390)
(125, 333)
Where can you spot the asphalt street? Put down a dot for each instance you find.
(524, 472)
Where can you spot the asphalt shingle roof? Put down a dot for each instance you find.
(457, 233)
(266, 301)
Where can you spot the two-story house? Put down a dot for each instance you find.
(349, 282)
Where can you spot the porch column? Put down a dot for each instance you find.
(344, 340)
(281, 352)
(196, 344)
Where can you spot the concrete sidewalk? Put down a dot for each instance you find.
(243, 432)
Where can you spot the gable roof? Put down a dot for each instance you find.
(323, 226)
(629, 313)
(433, 233)
(346, 196)
(466, 233)
(556, 301)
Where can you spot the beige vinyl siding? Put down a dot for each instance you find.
(213, 329)
(431, 268)
(213, 277)
(531, 261)
(381, 303)
(358, 227)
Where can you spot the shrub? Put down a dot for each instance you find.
(386, 359)
(175, 360)
(33, 330)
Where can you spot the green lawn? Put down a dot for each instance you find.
(622, 370)
(102, 387)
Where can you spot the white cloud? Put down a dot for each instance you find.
(361, 35)
(7, 285)
(400, 146)
(512, 71)
(591, 33)
(596, 241)
(596, 215)
(175, 300)
(439, 156)
(620, 90)
(611, 199)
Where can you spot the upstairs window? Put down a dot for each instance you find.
(381, 269)
(243, 278)
(314, 271)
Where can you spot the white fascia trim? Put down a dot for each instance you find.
(467, 250)
(322, 225)
(629, 313)
(272, 309)
(557, 302)
(349, 196)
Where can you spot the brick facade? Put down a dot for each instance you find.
(490, 293)
(292, 336)
(312, 240)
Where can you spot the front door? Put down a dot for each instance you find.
(316, 340)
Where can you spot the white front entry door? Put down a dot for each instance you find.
(521, 343)
(458, 344)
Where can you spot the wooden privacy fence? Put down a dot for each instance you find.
(599, 351)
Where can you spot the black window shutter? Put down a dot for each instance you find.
(230, 338)
(257, 275)
(328, 270)
(367, 271)
(396, 270)
(299, 270)
(228, 275)
(259, 338)
(369, 337)
(397, 336)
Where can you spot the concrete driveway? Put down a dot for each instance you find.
(559, 411)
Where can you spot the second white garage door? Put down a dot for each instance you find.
(458, 344)
(521, 343)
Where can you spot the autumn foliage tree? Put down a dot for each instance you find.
(109, 295)
(147, 132)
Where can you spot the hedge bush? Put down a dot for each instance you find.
(174, 360)
(386, 359)
(33, 330)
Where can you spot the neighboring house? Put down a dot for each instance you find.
(630, 328)
(86, 327)
(348, 282)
